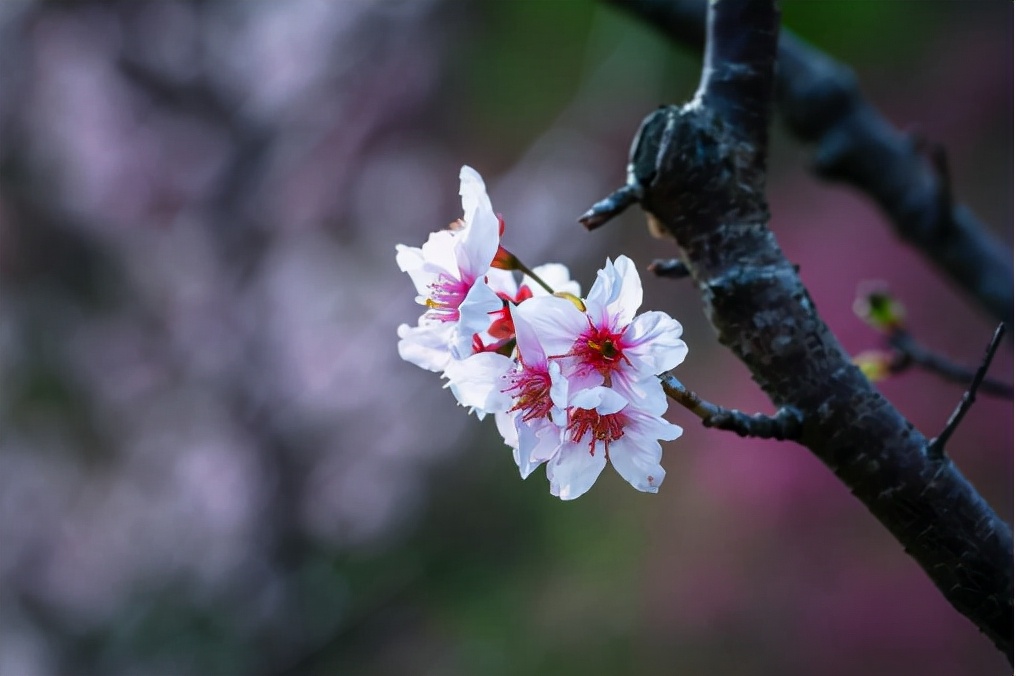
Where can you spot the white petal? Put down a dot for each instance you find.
(538, 442)
(654, 427)
(629, 292)
(557, 322)
(603, 399)
(558, 392)
(527, 340)
(477, 381)
(602, 290)
(473, 191)
(617, 292)
(638, 462)
(427, 346)
(506, 426)
(652, 342)
(502, 281)
(574, 470)
(474, 317)
(556, 277)
(408, 257)
(480, 236)
(439, 250)
(645, 394)
(411, 260)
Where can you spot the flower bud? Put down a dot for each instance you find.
(879, 308)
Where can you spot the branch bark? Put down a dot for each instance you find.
(820, 102)
(699, 171)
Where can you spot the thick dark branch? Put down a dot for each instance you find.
(696, 179)
(821, 103)
(737, 78)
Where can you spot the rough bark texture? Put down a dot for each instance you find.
(699, 170)
(820, 102)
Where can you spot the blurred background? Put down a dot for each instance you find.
(213, 461)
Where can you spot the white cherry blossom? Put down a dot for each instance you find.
(570, 382)
(603, 426)
(607, 340)
(448, 272)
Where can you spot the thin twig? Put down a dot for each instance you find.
(671, 268)
(936, 448)
(786, 424)
(909, 352)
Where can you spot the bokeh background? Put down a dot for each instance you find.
(213, 461)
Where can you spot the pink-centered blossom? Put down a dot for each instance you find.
(474, 380)
(539, 394)
(604, 426)
(448, 272)
(526, 392)
(606, 341)
(570, 382)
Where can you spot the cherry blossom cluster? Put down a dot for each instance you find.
(571, 381)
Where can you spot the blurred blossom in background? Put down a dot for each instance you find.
(213, 460)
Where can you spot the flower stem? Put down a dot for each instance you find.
(529, 273)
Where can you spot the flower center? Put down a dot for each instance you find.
(531, 391)
(605, 428)
(599, 349)
(446, 295)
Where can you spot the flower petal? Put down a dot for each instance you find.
(637, 460)
(574, 470)
(473, 192)
(474, 317)
(502, 281)
(644, 393)
(603, 399)
(636, 456)
(481, 234)
(652, 342)
(557, 322)
(616, 295)
(427, 346)
(506, 426)
(530, 348)
(538, 442)
(477, 381)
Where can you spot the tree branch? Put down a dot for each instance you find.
(786, 424)
(697, 175)
(821, 104)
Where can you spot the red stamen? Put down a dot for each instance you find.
(531, 391)
(600, 349)
(605, 428)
